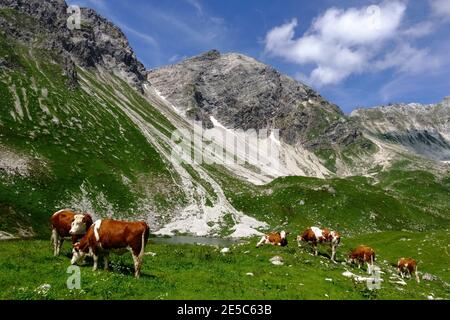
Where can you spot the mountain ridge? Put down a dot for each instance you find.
(422, 129)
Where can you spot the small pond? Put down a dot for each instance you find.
(222, 242)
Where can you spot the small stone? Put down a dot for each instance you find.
(429, 277)
(277, 260)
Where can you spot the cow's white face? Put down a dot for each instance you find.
(77, 256)
(283, 234)
(78, 225)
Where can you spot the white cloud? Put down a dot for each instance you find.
(420, 29)
(441, 8)
(408, 59)
(360, 26)
(143, 36)
(339, 42)
(197, 5)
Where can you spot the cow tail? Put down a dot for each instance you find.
(144, 236)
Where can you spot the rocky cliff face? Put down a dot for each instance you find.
(422, 129)
(242, 93)
(98, 43)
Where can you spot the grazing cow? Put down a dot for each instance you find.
(316, 236)
(362, 254)
(275, 239)
(62, 227)
(110, 235)
(408, 266)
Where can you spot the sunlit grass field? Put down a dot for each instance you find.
(202, 272)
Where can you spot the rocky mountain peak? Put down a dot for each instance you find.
(209, 55)
(98, 43)
(243, 93)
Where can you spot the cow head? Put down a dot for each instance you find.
(335, 237)
(78, 255)
(79, 224)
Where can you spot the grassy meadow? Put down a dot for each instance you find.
(202, 272)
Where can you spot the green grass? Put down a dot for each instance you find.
(202, 272)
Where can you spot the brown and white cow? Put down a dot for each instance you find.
(408, 267)
(315, 236)
(63, 227)
(274, 238)
(362, 254)
(105, 236)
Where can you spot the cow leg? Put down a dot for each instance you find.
(416, 273)
(369, 268)
(316, 251)
(55, 240)
(105, 261)
(95, 257)
(333, 253)
(261, 242)
(137, 265)
(60, 243)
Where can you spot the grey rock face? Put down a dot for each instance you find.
(423, 129)
(97, 43)
(243, 93)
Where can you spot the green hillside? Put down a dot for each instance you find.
(79, 146)
(392, 200)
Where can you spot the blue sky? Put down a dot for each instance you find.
(355, 53)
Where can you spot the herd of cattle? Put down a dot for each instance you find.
(360, 255)
(97, 239)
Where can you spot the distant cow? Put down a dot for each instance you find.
(275, 239)
(63, 227)
(408, 266)
(362, 254)
(105, 236)
(315, 236)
